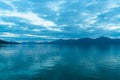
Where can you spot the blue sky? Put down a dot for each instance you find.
(44, 20)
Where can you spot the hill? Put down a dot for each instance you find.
(3, 42)
(6, 42)
(86, 41)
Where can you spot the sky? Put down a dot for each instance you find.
(46, 20)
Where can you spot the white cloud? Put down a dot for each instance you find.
(55, 6)
(7, 23)
(10, 3)
(112, 4)
(32, 35)
(39, 36)
(30, 17)
(82, 26)
(24, 28)
(116, 16)
(36, 30)
(92, 3)
(55, 29)
(7, 34)
(89, 18)
(111, 28)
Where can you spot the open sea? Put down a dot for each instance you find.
(59, 62)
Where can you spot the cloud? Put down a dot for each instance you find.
(112, 27)
(7, 23)
(55, 19)
(39, 36)
(32, 35)
(112, 4)
(7, 34)
(36, 30)
(29, 17)
(9, 3)
(55, 6)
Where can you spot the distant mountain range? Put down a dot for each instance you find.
(84, 41)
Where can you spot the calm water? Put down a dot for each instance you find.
(58, 62)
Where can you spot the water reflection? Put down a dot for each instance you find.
(59, 62)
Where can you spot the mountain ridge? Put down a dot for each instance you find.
(84, 41)
(7, 42)
(99, 40)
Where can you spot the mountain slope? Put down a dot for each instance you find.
(3, 42)
(100, 40)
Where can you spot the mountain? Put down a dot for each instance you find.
(81, 41)
(86, 41)
(6, 42)
(3, 42)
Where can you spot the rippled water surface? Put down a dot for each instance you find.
(59, 62)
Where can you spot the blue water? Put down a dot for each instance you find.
(59, 62)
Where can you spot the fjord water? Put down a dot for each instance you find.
(59, 62)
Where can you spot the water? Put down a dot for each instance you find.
(59, 62)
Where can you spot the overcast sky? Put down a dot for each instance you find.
(41, 20)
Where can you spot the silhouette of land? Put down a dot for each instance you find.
(3, 42)
(87, 41)
(7, 42)
(82, 41)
